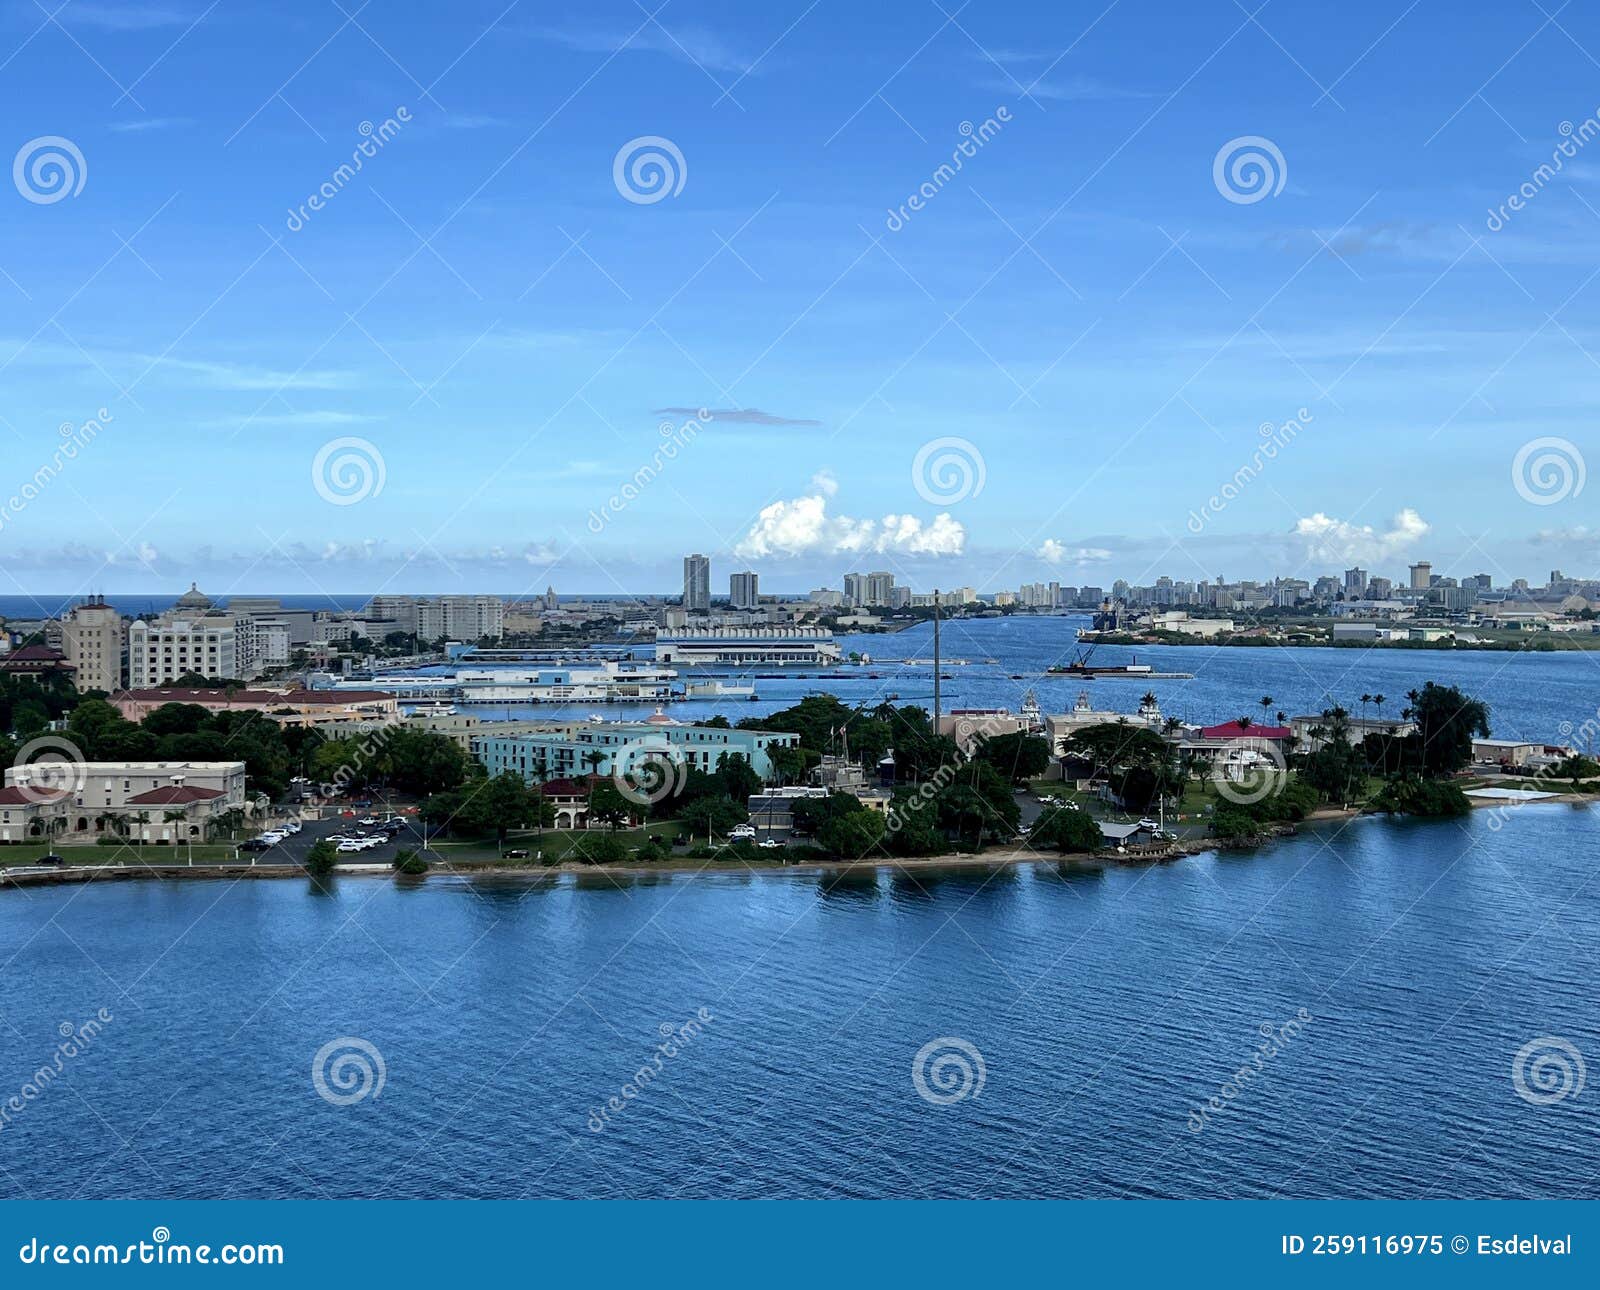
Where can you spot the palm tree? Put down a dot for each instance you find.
(1266, 705)
(1365, 699)
(1378, 701)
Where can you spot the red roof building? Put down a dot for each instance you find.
(1233, 730)
(35, 660)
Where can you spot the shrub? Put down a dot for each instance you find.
(1427, 798)
(408, 862)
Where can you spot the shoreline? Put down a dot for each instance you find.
(997, 859)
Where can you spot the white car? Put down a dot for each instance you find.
(272, 839)
(769, 844)
(1148, 823)
(366, 844)
(367, 821)
(350, 846)
(292, 827)
(740, 831)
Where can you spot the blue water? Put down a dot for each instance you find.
(1530, 695)
(1106, 1006)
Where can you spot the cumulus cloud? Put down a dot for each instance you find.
(1335, 540)
(1053, 552)
(803, 526)
(737, 416)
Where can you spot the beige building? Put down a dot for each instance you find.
(81, 802)
(92, 639)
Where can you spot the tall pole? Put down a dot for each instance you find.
(936, 660)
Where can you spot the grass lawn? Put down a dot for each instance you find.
(549, 847)
(28, 852)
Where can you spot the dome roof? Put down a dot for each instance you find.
(194, 598)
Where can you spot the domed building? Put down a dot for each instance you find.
(194, 601)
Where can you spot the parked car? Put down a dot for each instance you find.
(255, 844)
(293, 827)
(348, 847)
(367, 821)
(53, 860)
(769, 844)
(272, 839)
(742, 831)
(516, 853)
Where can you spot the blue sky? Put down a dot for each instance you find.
(1081, 316)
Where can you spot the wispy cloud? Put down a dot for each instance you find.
(1066, 89)
(315, 419)
(122, 17)
(141, 124)
(686, 44)
(737, 416)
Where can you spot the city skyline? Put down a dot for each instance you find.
(1048, 362)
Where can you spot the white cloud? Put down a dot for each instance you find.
(1053, 552)
(803, 526)
(1335, 540)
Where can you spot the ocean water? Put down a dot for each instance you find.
(1074, 1020)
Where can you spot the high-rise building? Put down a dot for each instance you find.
(697, 583)
(744, 590)
(1355, 582)
(855, 590)
(165, 650)
(91, 639)
(1421, 575)
(880, 588)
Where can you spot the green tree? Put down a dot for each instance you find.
(321, 858)
(1019, 756)
(608, 805)
(1067, 831)
(1447, 722)
(498, 805)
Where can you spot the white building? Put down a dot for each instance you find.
(697, 584)
(163, 651)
